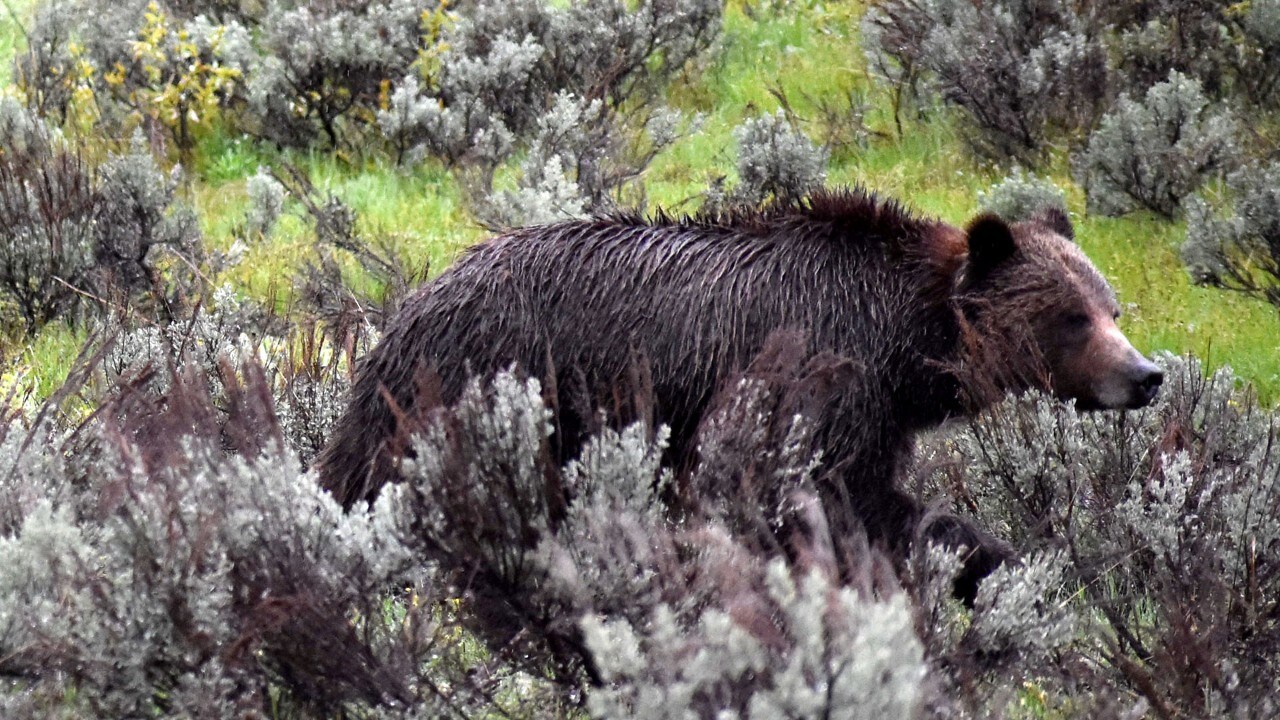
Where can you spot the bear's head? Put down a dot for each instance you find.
(1038, 314)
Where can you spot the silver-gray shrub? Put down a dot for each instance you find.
(266, 202)
(321, 66)
(776, 159)
(1232, 50)
(1021, 195)
(49, 207)
(505, 65)
(575, 88)
(1166, 516)
(169, 558)
(1192, 37)
(1260, 74)
(1154, 152)
(139, 219)
(606, 49)
(559, 153)
(742, 603)
(1238, 247)
(581, 158)
(73, 232)
(212, 335)
(1017, 69)
(828, 651)
(305, 375)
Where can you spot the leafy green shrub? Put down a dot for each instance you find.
(178, 76)
(1241, 250)
(1021, 195)
(1152, 153)
(291, 72)
(127, 64)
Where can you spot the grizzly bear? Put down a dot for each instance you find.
(937, 321)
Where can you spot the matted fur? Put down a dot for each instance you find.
(692, 301)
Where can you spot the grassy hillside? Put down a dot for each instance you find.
(173, 554)
(811, 55)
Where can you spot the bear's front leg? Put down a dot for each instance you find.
(902, 521)
(983, 552)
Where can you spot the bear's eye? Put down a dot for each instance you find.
(1077, 320)
(1115, 314)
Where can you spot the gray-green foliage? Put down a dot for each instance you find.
(149, 571)
(1152, 153)
(829, 652)
(1021, 195)
(775, 159)
(185, 577)
(1024, 610)
(1231, 49)
(139, 215)
(49, 205)
(212, 335)
(688, 616)
(551, 81)
(1260, 24)
(559, 153)
(1018, 69)
(1164, 514)
(149, 585)
(134, 64)
(309, 391)
(319, 62)
(72, 231)
(474, 86)
(266, 202)
(1238, 248)
(418, 125)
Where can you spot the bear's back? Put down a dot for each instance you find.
(692, 301)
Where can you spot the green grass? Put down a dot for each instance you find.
(810, 56)
(39, 367)
(13, 15)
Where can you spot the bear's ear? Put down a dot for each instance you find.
(1057, 220)
(990, 244)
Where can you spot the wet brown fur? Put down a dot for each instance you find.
(932, 327)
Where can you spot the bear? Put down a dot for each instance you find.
(937, 321)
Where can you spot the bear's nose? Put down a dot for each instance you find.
(1149, 383)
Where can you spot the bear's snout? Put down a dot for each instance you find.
(1108, 373)
(1147, 379)
(1133, 381)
